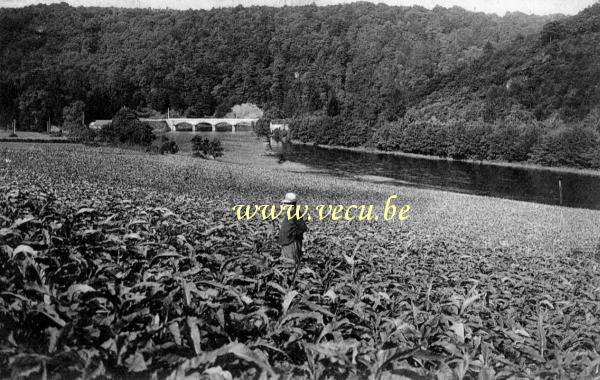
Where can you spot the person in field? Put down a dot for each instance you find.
(292, 231)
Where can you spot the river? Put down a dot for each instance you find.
(525, 184)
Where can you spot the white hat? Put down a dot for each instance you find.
(290, 198)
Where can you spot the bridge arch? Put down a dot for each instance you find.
(243, 127)
(224, 127)
(184, 127)
(204, 127)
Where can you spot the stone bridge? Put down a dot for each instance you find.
(174, 122)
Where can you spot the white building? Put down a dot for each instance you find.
(99, 124)
(279, 124)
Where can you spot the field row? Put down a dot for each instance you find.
(118, 264)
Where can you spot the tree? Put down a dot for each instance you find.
(34, 109)
(333, 107)
(573, 146)
(488, 48)
(73, 118)
(262, 128)
(553, 31)
(168, 146)
(126, 128)
(8, 110)
(203, 104)
(273, 113)
(245, 111)
(205, 148)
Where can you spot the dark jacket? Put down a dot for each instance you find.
(291, 230)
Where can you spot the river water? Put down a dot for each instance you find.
(532, 185)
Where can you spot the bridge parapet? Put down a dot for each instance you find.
(173, 122)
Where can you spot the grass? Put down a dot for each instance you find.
(116, 262)
(243, 148)
(28, 135)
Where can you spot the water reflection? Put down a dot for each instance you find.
(534, 185)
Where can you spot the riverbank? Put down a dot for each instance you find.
(522, 165)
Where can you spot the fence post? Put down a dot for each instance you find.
(560, 192)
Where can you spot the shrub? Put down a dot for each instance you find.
(574, 146)
(126, 128)
(433, 138)
(469, 140)
(164, 146)
(203, 147)
(328, 130)
(356, 133)
(73, 121)
(283, 134)
(86, 135)
(389, 136)
(303, 128)
(168, 146)
(276, 135)
(262, 128)
(421, 137)
(513, 142)
(279, 134)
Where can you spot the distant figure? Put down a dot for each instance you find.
(291, 232)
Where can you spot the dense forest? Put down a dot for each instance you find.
(368, 58)
(444, 81)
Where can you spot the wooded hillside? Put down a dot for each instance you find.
(368, 58)
(445, 81)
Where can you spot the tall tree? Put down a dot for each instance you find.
(73, 117)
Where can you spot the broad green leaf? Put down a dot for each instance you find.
(287, 301)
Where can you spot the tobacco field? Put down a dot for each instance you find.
(116, 264)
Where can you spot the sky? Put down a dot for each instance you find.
(500, 7)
